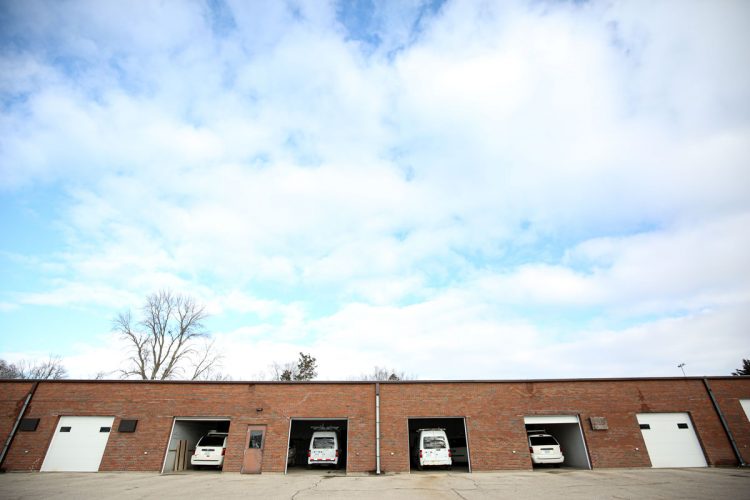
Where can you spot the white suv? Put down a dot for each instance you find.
(210, 450)
(545, 449)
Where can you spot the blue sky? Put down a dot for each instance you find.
(452, 189)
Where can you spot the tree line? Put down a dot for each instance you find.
(50, 369)
(168, 340)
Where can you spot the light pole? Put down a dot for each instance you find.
(681, 366)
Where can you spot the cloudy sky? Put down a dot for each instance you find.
(453, 189)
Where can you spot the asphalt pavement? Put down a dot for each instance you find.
(710, 483)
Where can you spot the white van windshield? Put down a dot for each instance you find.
(434, 442)
(211, 441)
(323, 443)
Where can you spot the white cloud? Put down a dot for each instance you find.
(686, 268)
(455, 337)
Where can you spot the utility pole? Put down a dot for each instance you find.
(681, 366)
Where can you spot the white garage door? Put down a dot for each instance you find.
(746, 406)
(550, 419)
(78, 444)
(670, 440)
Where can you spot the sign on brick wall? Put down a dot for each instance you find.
(599, 423)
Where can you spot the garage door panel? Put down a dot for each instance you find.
(745, 403)
(671, 440)
(78, 444)
(550, 419)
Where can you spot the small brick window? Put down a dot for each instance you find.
(28, 424)
(127, 426)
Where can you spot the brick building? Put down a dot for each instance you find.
(139, 425)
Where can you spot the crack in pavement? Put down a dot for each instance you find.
(310, 488)
(459, 494)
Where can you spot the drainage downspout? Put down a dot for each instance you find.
(724, 424)
(18, 421)
(377, 428)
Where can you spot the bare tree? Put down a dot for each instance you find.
(103, 375)
(381, 373)
(306, 368)
(282, 371)
(169, 340)
(51, 369)
(8, 370)
(206, 365)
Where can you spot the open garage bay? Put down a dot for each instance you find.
(567, 430)
(300, 434)
(186, 432)
(455, 429)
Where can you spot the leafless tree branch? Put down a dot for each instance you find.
(207, 362)
(165, 341)
(51, 369)
(383, 373)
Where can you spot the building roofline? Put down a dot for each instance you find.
(365, 382)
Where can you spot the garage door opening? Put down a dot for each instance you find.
(566, 429)
(185, 436)
(671, 440)
(301, 432)
(455, 431)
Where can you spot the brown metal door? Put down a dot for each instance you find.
(256, 440)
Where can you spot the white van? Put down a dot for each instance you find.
(324, 448)
(210, 450)
(432, 449)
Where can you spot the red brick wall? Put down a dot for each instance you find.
(12, 397)
(155, 405)
(494, 414)
(357, 402)
(728, 393)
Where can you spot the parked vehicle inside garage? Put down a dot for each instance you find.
(301, 431)
(457, 438)
(432, 449)
(324, 447)
(210, 450)
(544, 449)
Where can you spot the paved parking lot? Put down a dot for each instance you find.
(556, 483)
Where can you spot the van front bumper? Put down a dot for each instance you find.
(437, 463)
(310, 461)
(547, 460)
